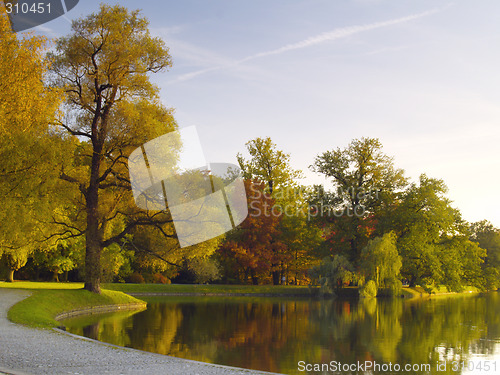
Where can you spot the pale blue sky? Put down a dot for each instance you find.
(422, 76)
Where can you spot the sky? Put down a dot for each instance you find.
(422, 76)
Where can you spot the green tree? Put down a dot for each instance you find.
(422, 218)
(302, 238)
(423, 215)
(488, 237)
(419, 251)
(58, 257)
(365, 182)
(268, 164)
(461, 263)
(103, 66)
(432, 238)
(61, 259)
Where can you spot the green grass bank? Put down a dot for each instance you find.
(214, 289)
(48, 300)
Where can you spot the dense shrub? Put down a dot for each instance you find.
(332, 274)
(204, 269)
(158, 278)
(368, 290)
(136, 278)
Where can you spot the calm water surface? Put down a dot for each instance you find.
(276, 334)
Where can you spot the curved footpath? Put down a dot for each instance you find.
(26, 350)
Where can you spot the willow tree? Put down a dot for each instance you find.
(112, 108)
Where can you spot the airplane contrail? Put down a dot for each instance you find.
(318, 39)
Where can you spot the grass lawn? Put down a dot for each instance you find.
(214, 289)
(408, 292)
(50, 299)
(39, 285)
(439, 291)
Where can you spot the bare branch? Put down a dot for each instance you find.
(151, 252)
(73, 132)
(65, 177)
(140, 222)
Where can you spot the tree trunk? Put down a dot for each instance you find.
(413, 282)
(10, 276)
(276, 277)
(92, 234)
(255, 279)
(245, 277)
(275, 274)
(92, 260)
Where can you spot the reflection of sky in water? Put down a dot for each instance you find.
(478, 363)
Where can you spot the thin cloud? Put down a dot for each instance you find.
(312, 41)
(45, 30)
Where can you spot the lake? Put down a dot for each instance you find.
(443, 335)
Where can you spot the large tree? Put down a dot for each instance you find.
(432, 238)
(252, 249)
(365, 182)
(271, 166)
(113, 108)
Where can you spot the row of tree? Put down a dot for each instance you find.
(374, 227)
(69, 120)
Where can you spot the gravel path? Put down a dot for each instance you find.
(26, 350)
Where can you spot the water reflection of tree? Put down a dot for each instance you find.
(274, 335)
(155, 329)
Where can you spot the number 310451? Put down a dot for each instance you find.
(25, 8)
